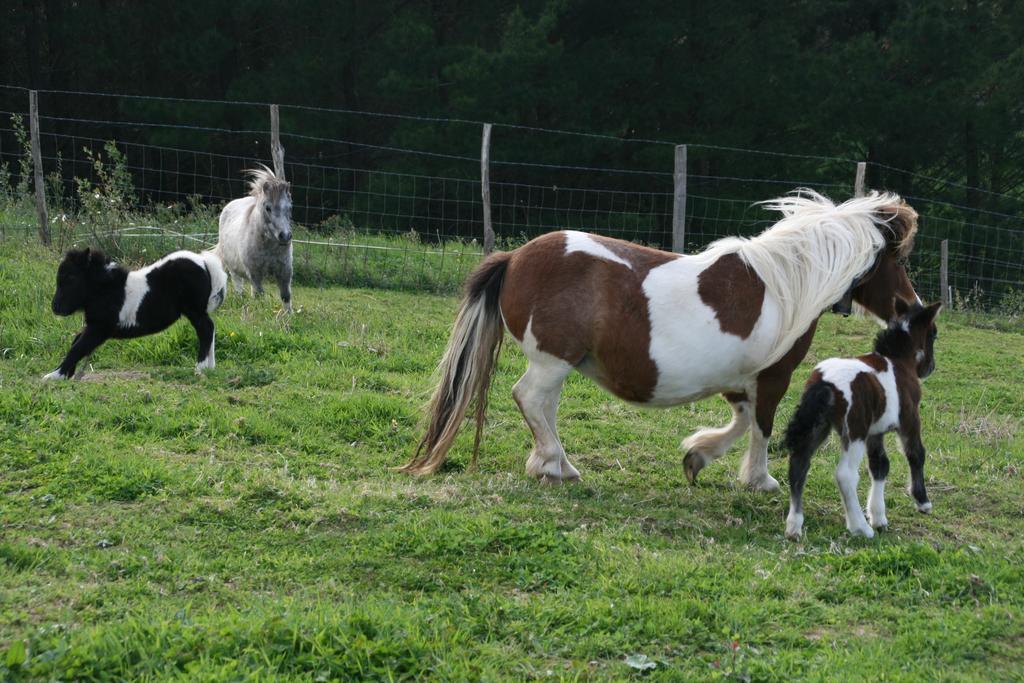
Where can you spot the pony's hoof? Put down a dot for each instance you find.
(794, 535)
(765, 484)
(866, 532)
(55, 375)
(693, 463)
(548, 480)
(925, 507)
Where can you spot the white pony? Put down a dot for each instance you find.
(255, 239)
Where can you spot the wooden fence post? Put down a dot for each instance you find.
(37, 162)
(944, 274)
(679, 201)
(485, 188)
(858, 183)
(276, 150)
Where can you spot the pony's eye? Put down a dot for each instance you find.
(267, 207)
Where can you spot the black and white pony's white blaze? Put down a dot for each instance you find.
(862, 399)
(120, 304)
(660, 329)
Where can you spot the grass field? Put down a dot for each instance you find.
(247, 525)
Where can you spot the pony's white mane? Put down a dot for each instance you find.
(262, 180)
(810, 257)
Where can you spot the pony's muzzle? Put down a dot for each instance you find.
(284, 238)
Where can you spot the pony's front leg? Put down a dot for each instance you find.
(878, 463)
(536, 393)
(256, 282)
(709, 444)
(913, 448)
(847, 476)
(284, 287)
(771, 386)
(85, 343)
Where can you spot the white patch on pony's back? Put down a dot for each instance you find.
(218, 280)
(840, 373)
(136, 286)
(890, 419)
(694, 357)
(581, 241)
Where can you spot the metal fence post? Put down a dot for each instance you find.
(858, 182)
(944, 273)
(485, 188)
(276, 150)
(37, 162)
(679, 201)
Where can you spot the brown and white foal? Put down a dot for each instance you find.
(862, 399)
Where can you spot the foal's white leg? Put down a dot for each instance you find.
(876, 504)
(847, 476)
(754, 468)
(708, 444)
(537, 394)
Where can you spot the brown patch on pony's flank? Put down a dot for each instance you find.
(734, 292)
(875, 361)
(868, 405)
(588, 311)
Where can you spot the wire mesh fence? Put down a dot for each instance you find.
(395, 201)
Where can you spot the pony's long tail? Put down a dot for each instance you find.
(810, 423)
(466, 367)
(218, 280)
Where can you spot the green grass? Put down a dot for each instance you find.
(248, 525)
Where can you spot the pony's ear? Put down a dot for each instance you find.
(928, 314)
(97, 262)
(933, 310)
(79, 257)
(901, 306)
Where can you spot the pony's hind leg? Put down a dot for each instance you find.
(536, 393)
(847, 476)
(808, 429)
(709, 444)
(878, 463)
(205, 332)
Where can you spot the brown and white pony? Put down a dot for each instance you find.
(660, 329)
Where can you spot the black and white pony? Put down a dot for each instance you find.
(255, 240)
(120, 304)
(862, 399)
